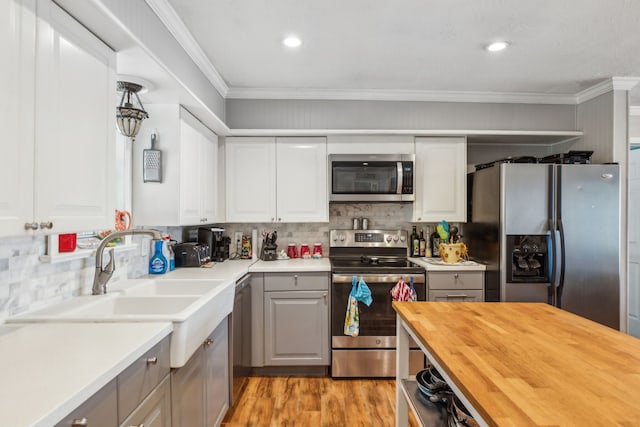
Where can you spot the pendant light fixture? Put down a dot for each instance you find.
(128, 117)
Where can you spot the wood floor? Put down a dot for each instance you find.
(314, 402)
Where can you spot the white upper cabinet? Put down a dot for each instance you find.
(187, 194)
(251, 179)
(17, 42)
(441, 179)
(276, 179)
(60, 132)
(370, 144)
(301, 177)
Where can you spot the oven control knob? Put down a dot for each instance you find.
(341, 237)
(402, 238)
(395, 238)
(388, 239)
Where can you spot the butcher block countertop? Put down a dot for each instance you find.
(531, 364)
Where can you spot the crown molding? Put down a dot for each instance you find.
(614, 83)
(179, 30)
(399, 95)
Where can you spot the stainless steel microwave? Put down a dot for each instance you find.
(371, 177)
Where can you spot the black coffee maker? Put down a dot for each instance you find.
(219, 244)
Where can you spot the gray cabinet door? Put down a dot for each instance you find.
(100, 410)
(155, 410)
(187, 393)
(296, 328)
(216, 374)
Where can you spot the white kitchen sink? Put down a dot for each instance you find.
(194, 315)
(135, 306)
(175, 287)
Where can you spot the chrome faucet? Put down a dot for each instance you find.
(102, 276)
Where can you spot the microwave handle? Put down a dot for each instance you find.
(400, 175)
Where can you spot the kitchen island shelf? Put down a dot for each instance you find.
(426, 413)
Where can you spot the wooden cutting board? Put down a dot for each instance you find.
(531, 364)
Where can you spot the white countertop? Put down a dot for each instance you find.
(436, 264)
(48, 369)
(291, 265)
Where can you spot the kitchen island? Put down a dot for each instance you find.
(522, 363)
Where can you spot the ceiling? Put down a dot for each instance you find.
(410, 47)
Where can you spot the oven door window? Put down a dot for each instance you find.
(378, 319)
(364, 178)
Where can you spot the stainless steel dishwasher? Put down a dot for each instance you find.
(240, 354)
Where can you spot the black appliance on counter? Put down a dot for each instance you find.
(216, 240)
(191, 254)
(380, 258)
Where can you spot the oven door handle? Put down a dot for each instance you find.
(370, 279)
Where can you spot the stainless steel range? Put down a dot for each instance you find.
(380, 257)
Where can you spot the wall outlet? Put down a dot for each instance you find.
(237, 237)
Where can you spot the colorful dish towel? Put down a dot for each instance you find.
(403, 292)
(363, 293)
(352, 318)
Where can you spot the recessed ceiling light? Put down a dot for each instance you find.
(292, 41)
(497, 46)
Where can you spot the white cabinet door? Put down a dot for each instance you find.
(75, 131)
(17, 42)
(441, 181)
(190, 177)
(188, 193)
(301, 177)
(250, 179)
(209, 182)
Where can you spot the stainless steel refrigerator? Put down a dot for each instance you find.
(549, 233)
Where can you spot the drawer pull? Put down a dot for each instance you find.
(208, 342)
(152, 360)
(456, 275)
(139, 425)
(82, 422)
(457, 296)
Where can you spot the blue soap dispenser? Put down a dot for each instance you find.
(158, 262)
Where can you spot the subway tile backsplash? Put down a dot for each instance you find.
(28, 283)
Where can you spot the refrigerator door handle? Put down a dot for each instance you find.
(560, 284)
(552, 258)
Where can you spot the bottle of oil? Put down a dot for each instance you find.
(435, 243)
(415, 242)
(423, 244)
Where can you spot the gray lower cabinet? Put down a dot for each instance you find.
(100, 410)
(296, 319)
(200, 389)
(155, 410)
(138, 395)
(455, 285)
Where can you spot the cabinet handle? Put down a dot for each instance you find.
(456, 275)
(48, 225)
(139, 425)
(324, 295)
(457, 296)
(208, 342)
(279, 219)
(295, 279)
(31, 226)
(82, 422)
(204, 219)
(152, 360)
(272, 219)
